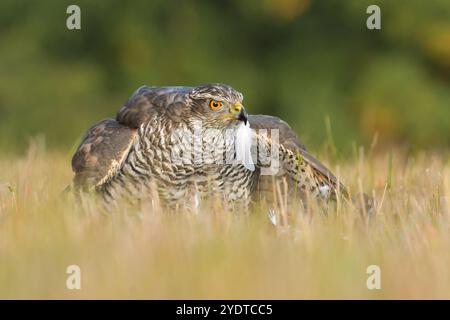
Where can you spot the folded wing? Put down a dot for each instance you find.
(292, 150)
(101, 153)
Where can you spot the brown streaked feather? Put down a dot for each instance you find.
(101, 153)
(147, 102)
(264, 184)
(322, 172)
(289, 139)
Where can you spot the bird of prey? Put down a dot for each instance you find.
(176, 140)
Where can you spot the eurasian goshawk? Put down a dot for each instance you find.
(179, 142)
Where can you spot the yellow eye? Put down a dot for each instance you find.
(215, 105)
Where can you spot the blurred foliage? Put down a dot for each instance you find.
(302, 60)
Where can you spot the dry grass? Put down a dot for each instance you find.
(215, 254)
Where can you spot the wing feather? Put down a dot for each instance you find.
(147, 102)
(323, 173)
(290, 141)
(101, 153)
(288, 138)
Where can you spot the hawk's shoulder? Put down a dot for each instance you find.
(147, 102)
(288, 138)
(101, 152)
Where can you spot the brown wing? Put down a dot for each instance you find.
(264, 184)
(147, 102)
(289, 139)
(101, 153)
(322, 172)
(287, 136)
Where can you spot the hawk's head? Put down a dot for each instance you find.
(218, 105)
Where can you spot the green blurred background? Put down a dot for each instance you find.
(302, 60)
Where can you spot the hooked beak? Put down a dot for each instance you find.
(239, 112)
